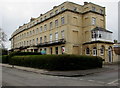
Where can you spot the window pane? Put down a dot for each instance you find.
(50, 25)
(50, 38)
(56, 11)
(56, 50)
(93, 21)
(41, 29)
(62, 34)
(87, 51)
(56, 23)
(93, 9)
(56, 36)
(62, 20)
(40, 39)
(62, 8)
(45, 27)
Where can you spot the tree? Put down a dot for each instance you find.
(115, 41)
(3, 38)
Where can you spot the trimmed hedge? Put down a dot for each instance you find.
(23, 53)
(58, 62)
(4, 59)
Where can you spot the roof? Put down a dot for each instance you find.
(101, 29)
(92, 42)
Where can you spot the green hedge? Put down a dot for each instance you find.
(57, 62)
(4, 59)
(24, 53)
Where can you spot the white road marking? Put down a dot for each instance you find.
(91, 80)
(100, 82)
(81, 79)
(113, 81)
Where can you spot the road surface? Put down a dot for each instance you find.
(15, 77)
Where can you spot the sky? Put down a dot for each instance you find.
(14, 13)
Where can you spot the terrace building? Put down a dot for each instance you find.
(68, 28)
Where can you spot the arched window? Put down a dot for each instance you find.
(102, 50)
(87, 50)
(94, 51)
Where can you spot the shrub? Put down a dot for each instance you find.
(24, 53)
(4, 59)
(4, 52)
(58, 62)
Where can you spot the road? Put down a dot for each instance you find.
(15, 77)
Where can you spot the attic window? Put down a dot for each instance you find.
(40, 19)
(56, 11)
(62, 8)
(45, 17)
(101, 11)
(93, 9)
(75, 8)
(51, 14)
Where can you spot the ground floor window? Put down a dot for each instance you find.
(102, 50)
(94, 51)
(45, 49)
(62, 49)
(87, 51)
(56, 50)
(51, 50)
(35, 50)
(110, 54)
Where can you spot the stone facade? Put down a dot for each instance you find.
(67, 28)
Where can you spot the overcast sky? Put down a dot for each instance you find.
(14, 13)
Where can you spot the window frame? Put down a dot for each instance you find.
(56, 23)
(93, 8)
(62, 34)
(87, 51)
(56, 37)
(94, 51)
(102, 50)
(62, 20)
(51, 25)
(45, 27)
(93, 21)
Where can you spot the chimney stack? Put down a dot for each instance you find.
(85, 3)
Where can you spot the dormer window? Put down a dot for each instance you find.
(62, 8)
(93, 9)
(75, 8)
(44, 17)
(40, 19)
(101, 11)
(51, 14)
(56, 11)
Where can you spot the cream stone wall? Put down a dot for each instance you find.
(77, 30)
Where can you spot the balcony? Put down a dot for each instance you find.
(100, 34)
(50, 43)
(45, 44)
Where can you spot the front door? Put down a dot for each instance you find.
(110, 54)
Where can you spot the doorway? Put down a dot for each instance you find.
(110, 54)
